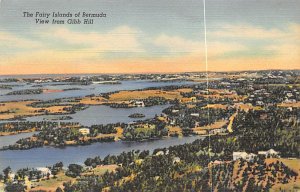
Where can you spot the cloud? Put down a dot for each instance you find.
(120, 39)
(247, 31)
(62, 46)
(179, 44)
(287, 47)
(8, 40)
(231, 47)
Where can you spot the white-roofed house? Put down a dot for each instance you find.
(239, 155)
(159, 153)
(176, 160)
(44, 171)
(84, 131)
(243, 155)
(269, 153)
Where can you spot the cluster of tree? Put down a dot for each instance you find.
(59, 118)
(56, 168)
(120, 105)
(253, 131)
(54, 102)
(250, 176)
(160, 173)
(75, 107)
(105, 129)
(184, 117)
(7, 112)
(3, 86)
(55, 134)
(16, 184)
(26, 92)
(125, 158)
(15, 187)
(265, 129)
(55, 137)
(24, 143)
(9, 80)
(136, 115)
(74, 170)
(32, 174)
(28, 125)
(148, 129)
(151, 101)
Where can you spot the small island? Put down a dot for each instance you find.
(136, 115)
(6, 86)
(107, 82)
(58, 118)
(26, 92)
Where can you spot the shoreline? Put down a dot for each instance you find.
(3, 134)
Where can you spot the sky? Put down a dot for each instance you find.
(158, 36)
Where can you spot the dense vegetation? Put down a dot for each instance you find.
(194, 171)
(266, 129)
(204, 165)
(26, 92)
(27, 125)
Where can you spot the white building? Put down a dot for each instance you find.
(195, 114)
(139, 103)
(243, 155)
(216, 131)
(11, 175)
(269, 153)
(44, 171)
(259, 103)
(289, 95)
(160, 153)
(239, 155)
(176, 160)
(84, 131)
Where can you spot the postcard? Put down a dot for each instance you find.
(149, 96)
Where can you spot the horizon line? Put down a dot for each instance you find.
(140, 73)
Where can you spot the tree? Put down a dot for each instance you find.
(58, 189)
(68, 187)
(268, 186)
(6, 172)
(94, 165)
(88, 161)
(15, 187)
(54, 172)
(74, 170)
(251, 185)
(58, 165)
(144, 154)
